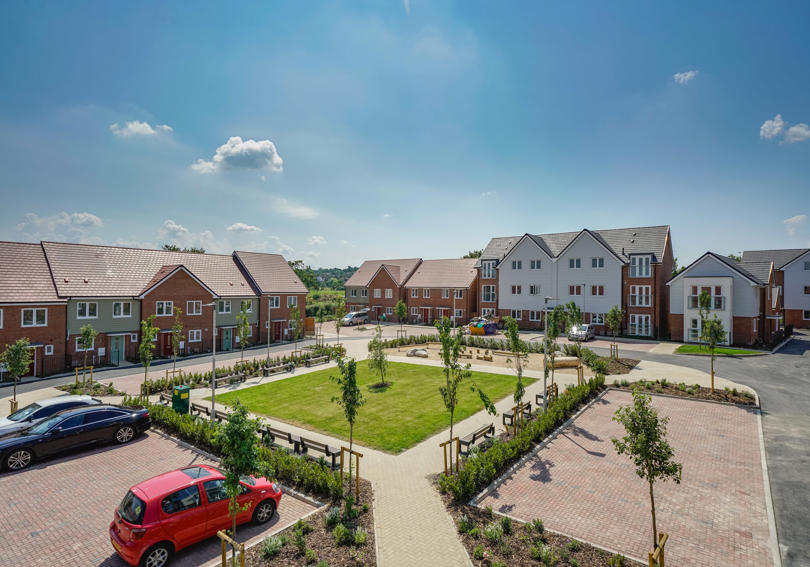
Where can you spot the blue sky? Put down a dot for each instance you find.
(337, 132)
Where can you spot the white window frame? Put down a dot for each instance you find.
(414, 311)
(640, 266)
(377, 293)
(122, 303)
(517, 289)
(595, 289)
(445, 293)
(536, 265)
(492, 294)
(574, 263)
(364, 292)
(194, 307)
(459, 313)
(292, 301)
(1, 318)
(516, 314)
(535, 289)
(167, 306)
(636, 320)
(389, 310)
(87, 305)
(133, 337)
(195, 333)
(487, 311)
(517, 264)
(643, 299)
(34, 311)
(806, 314)
(577, 290)
(352, 293)
(249, 303)
(459, 294)
(426, 292)
(80, 349)
(389, 293)
(807, 290)
(414, 292)
(224, 306)
(535, 316)
(598, 262)
(488, 269)
(597, 318)
(807, 266)
(274, 301)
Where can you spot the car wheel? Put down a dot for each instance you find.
(124, 434)
(19, 459)
(157, 556)
(264, 511)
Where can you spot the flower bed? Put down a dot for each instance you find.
(94, 389)
(730, 395)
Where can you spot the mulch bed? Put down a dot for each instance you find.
(694, 391)
(515, 549)
(322, 542)
(620, 366)
(97, 389)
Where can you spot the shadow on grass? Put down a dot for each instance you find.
(379, 388)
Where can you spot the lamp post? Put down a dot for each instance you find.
(268, 331)
(213, 306)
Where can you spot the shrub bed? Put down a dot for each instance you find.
(94, 389)
(664, 386)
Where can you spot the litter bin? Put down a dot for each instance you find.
(180, 401)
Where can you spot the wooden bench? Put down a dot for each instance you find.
(553, 393)
(230, 379)
(508, 416)
(465, 355)
(324, 359)
(165, 398)
(200, 409)
(482, 432)
(272, 434)
(278, 368)
(323, 448)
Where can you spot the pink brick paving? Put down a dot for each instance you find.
(57, 512)
(579, 486)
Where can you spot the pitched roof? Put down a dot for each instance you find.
(452, 273)
(622, 241)
(778, 257)
(165, 272)
(369, 268)
(270, 272)
(744, 270)
(25, 277)
(84, 270)
(760, 270)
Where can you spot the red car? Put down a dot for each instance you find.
(176, 509)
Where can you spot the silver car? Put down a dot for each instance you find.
(582, 332)
(33, 413)
(355, 318)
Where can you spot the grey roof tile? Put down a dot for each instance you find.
(778, 257)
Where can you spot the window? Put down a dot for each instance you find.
(414, 311)
(755, 324)
(640, 296)
(807, 290)
(598, 262)
(215, 490)
(164, 308)
(1, 318)
(388, 294)
(517, 289)
(574, 290)
(446, 293)
(274, 301)
(640, 325)
(535, 315)
(597, 290)
(86, 310)
(184, 499)
(246, 305)
(224, 306)
(517, 264)
(414, 292)
(34, 317)
(535, 290)
(718, 301)
(459, 313)
(353, 293)
(194, 307)
(363, 292)
(488, 293)
(459, 294)
(639, 266)
(806, 315)
(574, 263)
(195, 336)
(79, 346)
(487, 312)
(133, 338)
(291, 324)
(426, 293)
(694, 330)
(48, 350)
(516, 314)
(389, 311)
(122, 309)
(535, 264)
(377, 293)
(597, 318)
(807, 266)
(292, 301)
(488, 269)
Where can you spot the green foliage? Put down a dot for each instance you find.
(304, 273)
(342, 535)
(300, 541)
(177, 334)
(574, 545)
(506, 525)
(310, 557)
(478, 552)
(332, 517)
(190, 249)
(519, 352)
(87, 337)
(377, 358)
(538, 526)
(360, 535)
(146, 347)
(465, 524)
(350, 400)
(573, 315)
(401, 311)
(243, 328)
(271, 546)
(473, 254)
(614, 320)
(542, 553)
(17, 358)
(494, 532)
(616, 560)
(322, 563)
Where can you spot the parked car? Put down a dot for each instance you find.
(355, 318)
(32, 413)
(582, 332)
(166, 513)
(70, 429)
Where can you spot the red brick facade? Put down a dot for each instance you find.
(795, 317)
(432, 308)
(676, 327)
(743, 333)
(52, 334)
(280, 316)
(381, 304)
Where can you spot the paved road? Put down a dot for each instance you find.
(783, 383)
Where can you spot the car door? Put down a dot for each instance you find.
(217, 513)
(67, 434)
(100, 425)
(183, 516)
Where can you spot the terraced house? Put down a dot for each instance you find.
(442, 288)
(788, 283)
(113, 289)
(378, 285)
(523, 276)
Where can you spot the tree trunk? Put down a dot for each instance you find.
(351, 444)
(451, 441)
(15, 388)
(652, 508)
(84, 366)
(233, 533)
(712, 371)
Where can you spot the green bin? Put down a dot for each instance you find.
(180, 402)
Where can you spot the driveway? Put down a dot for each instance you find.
(58, 512)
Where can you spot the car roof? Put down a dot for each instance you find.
(166, 483)
(86, 409)
(63, 399)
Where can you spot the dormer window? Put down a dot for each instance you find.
(488, 269)
(640, 266)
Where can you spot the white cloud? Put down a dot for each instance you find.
(61, 226)
(793, 223)
(239, 154)
(171, 232)
(798, 133)
(313, 254)
(243, 227)
(407, 5)
(138, 128)
(316, 240)
(386, 215)
(344, 242)
(263, 178)
(280, 247)
(172, 228)
(771, 128)
(685, 77)
(294, 210)
(489, 194)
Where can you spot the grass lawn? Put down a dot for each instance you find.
(393, 420)
(719, 351)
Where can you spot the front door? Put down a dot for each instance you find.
(426, 315)
(116, 350)
(278, 330)
(165, 344)
(227, 339)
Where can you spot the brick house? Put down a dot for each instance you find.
(522, 276)
(378, 285)
(280, 291)
(30, 307)
(788, 292)
(442, 288)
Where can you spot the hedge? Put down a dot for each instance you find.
(481, 468)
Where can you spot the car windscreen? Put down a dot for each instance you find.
(132, 508)
(45, 425)
(25, 412)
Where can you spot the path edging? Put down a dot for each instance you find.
(773, 534)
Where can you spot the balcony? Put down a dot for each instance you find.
(718, 302)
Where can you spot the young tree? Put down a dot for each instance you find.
(573, 318)
(240, 455)
(242, 330)
(473, 254)
(177, 337)
(555, 321)
(377, 359)
(455, 374)
(646, 444)
(148, 334)
(401, 311)
(614, 322)
(519, 351)
(17, 358)
(86, 340)
(350, 399)
(713, 333)
(297, 325)
(704, 306)
(340, 311)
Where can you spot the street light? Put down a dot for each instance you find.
(268, 331)
(213, 307)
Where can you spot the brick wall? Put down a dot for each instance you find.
(436, 301)
(676, 326)
(794, 317)
(487, 281)
(52, 334)
(652, 310)
(281, 313)
(382, 281)
(743, 334)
